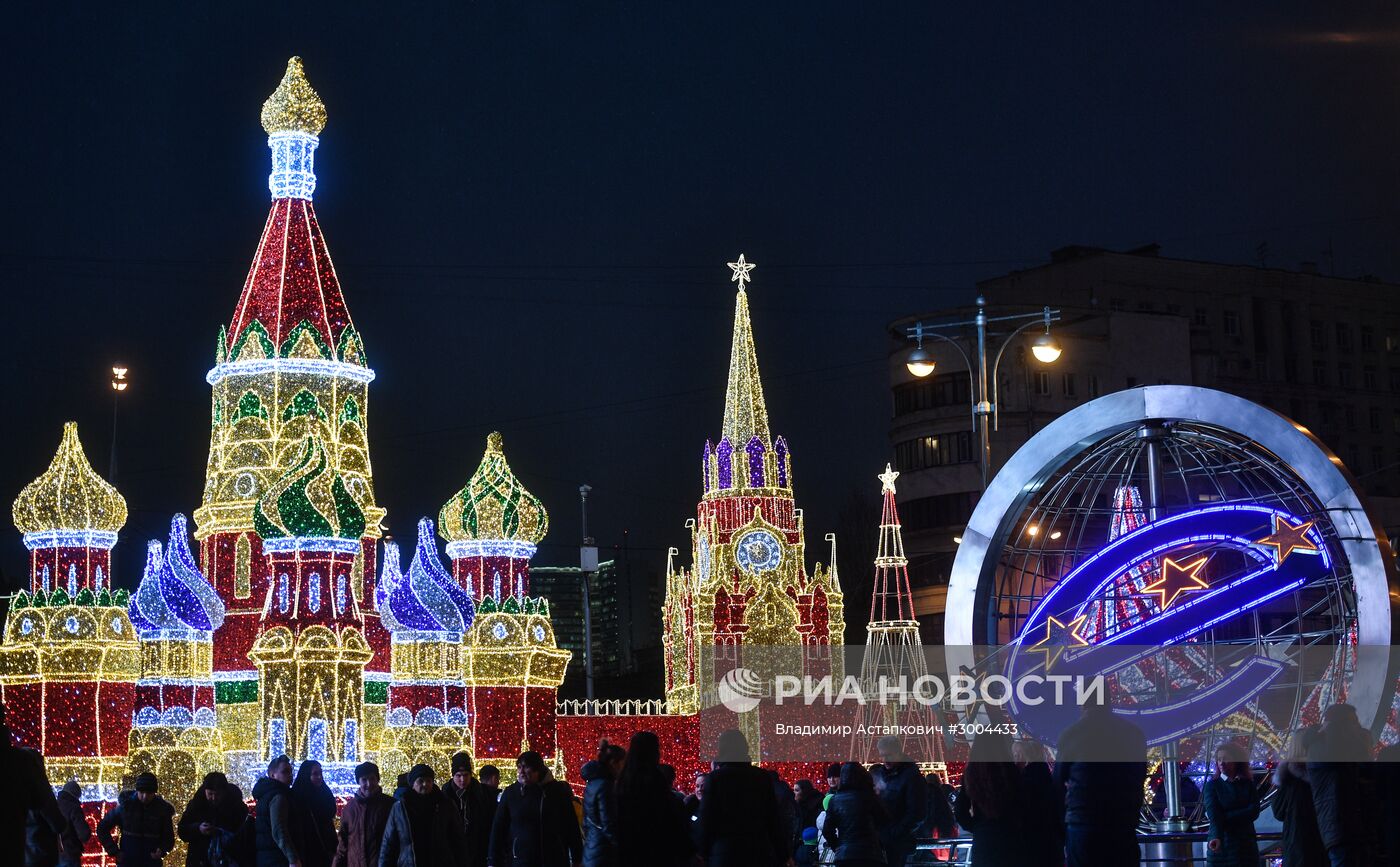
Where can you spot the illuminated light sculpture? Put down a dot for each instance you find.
(426, 614)
(492, 527)
(290, 390)
(893, 646)
(69, 517)
(69, 661)
(176, 612)
(748, 583)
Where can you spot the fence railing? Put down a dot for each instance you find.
(611, 707)
(1158, 850)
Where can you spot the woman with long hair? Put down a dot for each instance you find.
(314, 805)
(653, 830)
(1293, 806)
(992, 805)
(1232, 805)
(853, 819)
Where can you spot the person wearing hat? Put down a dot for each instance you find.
(70, 807)
(277, 835)
(212, 821)
(424, 829)
(470, 799)
(146, 822)
(535, 824)
(362, 822)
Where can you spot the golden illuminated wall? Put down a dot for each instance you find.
(317, 676)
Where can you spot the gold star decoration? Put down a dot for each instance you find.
(1177, 579)
(1059, 636)
(887, 479)
(741, 271)
(1287, 538)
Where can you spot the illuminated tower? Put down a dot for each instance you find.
(511, 665)
(748, 584)
(492, 528)
(290, 408)
(175, 612)
(893, 648)
(69, 661)
(427, 615)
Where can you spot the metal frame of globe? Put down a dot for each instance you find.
(1296, 454)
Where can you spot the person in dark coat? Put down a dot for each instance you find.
(277, 836)
(1232, 805)
(313, 808)
(363, 820)
(904, 797)
(424, 829)
(938, 809)
(992, 805)
(652, 828)
(48, 836)
(600, 806)
(535, 822)
(75, 823)
(26, 790)
(853, 819)
(1043, 805)
(1293, 807)
(490, 778)
(1344, 797)
(809, 807)
(146, 822)
(469, 798)
(1387, 771)
(212, 820)
(1101, 767)
(739, 822)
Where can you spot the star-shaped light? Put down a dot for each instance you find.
(741, 271)
(887, 479)
(1059, 636)
(1177, 579)
(1288, 538)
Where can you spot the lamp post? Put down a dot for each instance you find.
(588, 564)
(921, 363)
(119, 384)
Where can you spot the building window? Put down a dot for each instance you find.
(1174, 309)
(944, 510)
(1042, 383)
(1343, 336)
(1376, 422)
(1344, 375)
(1232, 323)
(935, 451)
(1349, 414)
(932, 393)
(1377, 458)
(1117, 305)
(1068, 384)
(1368, 337)
(1368, 377)
(1395, 379)
(1319, 373)
(1201, 317)
(1392, 342)
(1317, 332)
(1093, 385)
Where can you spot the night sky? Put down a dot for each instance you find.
(530, 206)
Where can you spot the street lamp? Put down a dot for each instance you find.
(119, 384)
(1045, 348)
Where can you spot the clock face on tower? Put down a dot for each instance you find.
(758, 551)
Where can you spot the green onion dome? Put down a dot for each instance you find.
(493, 507)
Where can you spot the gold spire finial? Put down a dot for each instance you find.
(494, 443)
(294, 106)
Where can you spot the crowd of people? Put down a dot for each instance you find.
(1332, 799)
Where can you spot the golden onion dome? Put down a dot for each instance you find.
(494, 506)
(69, 495)
(294, 106)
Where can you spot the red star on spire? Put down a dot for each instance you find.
(1177, 579)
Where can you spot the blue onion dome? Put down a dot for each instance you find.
(173, 593)
(390, 574)
(427, 599)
